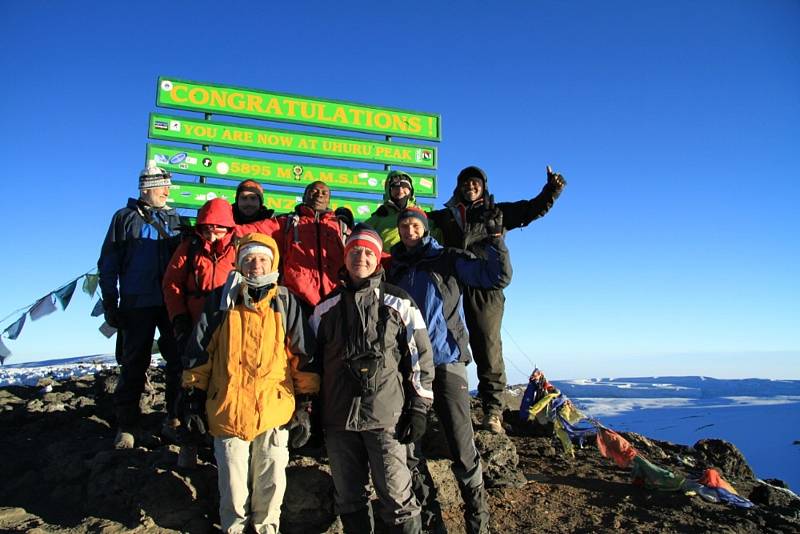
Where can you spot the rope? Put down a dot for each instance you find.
(29, 306)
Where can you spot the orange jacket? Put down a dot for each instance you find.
(251, 361)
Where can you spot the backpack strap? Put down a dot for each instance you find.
(281, 303)
(148, 217)
(292, 223)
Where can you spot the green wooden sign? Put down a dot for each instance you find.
(191, 195)
(174, 128)
(234, 167)
(253, 103)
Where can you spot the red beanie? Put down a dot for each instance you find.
(364, 236)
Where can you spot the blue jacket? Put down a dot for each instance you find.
(434, 277)
(135, 255)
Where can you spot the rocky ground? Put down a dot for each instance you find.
(59, 473)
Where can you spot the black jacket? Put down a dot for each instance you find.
(346, 324)
(461, 225)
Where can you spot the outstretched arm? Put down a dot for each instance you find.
(523, 212)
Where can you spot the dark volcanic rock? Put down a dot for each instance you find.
(500, 460)
(725, 457)
(772, 495)
(60, 474)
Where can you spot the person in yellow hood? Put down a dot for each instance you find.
(247, 367)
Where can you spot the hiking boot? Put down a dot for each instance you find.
(123, 439)
(169, 429)
(492, 423)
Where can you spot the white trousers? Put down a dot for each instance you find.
(252, 480)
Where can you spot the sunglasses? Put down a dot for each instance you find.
(213, 228)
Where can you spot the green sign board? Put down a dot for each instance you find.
(234, 167)
(190, 195)
(241, 102)
(289, 141)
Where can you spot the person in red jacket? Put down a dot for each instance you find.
(311, 241)
(199, 265)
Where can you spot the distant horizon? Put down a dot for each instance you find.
(13, 362)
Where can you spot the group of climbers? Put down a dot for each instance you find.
(260, 314)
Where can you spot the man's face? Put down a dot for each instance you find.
(411, 231)
(399, 191)
(360, 263)
(256, 264)
(248, 203)
(319, 197)
(155, 197)
(472, 189)
(212, 232)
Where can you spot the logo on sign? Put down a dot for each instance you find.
(160, 125)
(175, 126)
(183, 165)
(166, 85)
(222, 167)
(206, 162)
(161, 158)
(178, 158)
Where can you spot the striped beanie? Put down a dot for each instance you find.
(153, 176)
(413, 211)
(364, 236)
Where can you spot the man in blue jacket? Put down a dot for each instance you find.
(434, 277)
(137, 248)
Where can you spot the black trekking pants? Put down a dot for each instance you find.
(138, 327)
(451, 404)
(483, 310)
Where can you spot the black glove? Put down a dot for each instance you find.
(182, 325)
(300, 425)
(192, 409)
(345, 215)
(554, 179)
(411, 426)
(112, 315)
(492, 218)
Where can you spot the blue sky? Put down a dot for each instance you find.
(673, 249)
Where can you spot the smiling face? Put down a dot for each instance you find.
(318, 196)
(399, 191)
(471, 189)
(248, 203)
(360, 263)
(256, 264)
(156, 196)
(411, 231)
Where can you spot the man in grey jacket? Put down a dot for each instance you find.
(377, 374)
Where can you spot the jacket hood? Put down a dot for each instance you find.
(260, 239)
(387, 199)
(468, 172)
(216, 211)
